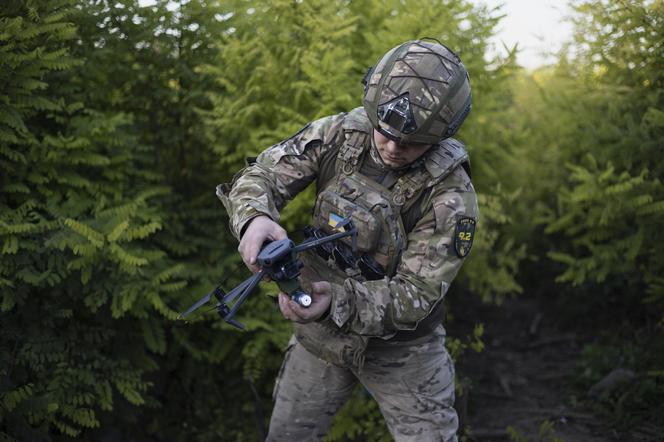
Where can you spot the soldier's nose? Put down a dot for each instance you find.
(392, 147)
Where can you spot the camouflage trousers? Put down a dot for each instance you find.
(412, 382)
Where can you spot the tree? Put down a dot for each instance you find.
(117, 122)
(589, 139)
(77, 216)
(272, 86)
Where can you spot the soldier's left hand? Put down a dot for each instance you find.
(321, 296)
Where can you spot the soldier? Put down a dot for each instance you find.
(376, 317)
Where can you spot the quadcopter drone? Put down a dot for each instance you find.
(277, 260)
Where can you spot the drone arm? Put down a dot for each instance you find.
(251, 283)
(204, 300)
(315, 243)
(228, 297)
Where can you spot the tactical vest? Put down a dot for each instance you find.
(376, 212)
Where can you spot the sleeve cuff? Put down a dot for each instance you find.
(242, 223)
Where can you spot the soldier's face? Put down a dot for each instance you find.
(397, 155)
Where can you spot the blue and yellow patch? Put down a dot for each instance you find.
(334, 220)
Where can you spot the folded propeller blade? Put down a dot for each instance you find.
(204, 300)
(251, 283)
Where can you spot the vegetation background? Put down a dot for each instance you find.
(118, 120)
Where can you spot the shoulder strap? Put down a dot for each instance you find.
(356, 129)
(438, 164)
(446, 157)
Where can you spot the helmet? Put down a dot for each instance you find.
(419, 92)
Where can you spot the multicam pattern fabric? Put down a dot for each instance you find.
(426, 269)
(428, 264)
(435, 81)
(413, 384)
(278, 174)
(412, 380)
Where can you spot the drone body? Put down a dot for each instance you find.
(278, 261)
(282, 266)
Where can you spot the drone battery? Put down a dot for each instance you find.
(301, 298)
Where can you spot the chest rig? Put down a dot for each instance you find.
(376, 211)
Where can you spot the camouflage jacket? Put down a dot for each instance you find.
(431, 258)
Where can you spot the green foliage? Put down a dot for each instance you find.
(614, 222)
(496, 256)
(596, 118)
(274, 87)
(612, 207)
(545, 433)
(160, 82)
(117, 121)
(457, 346)
(359, 420)
(83, 278)
(60, 178)
(628, 404)
(587, 137)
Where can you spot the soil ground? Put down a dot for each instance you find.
(521, 379)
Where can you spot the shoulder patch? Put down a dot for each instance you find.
(464, 233)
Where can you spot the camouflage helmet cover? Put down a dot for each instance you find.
(419, 92)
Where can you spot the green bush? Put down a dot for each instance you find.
(117, 121)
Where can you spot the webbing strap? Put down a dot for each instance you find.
(351, 152)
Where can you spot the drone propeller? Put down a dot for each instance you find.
(278, 261)
(243, 291)
(201, 302)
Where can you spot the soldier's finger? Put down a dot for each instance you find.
(252, 252)
(279, 233)
(253, 267)
(321, 288)
(311, 313)
(242, 248)
(284, 306)
(301, 313)
(249, 253)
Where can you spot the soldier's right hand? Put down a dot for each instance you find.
(259, 230)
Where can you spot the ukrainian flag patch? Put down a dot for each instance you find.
(334, 220)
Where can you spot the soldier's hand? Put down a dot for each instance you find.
(321, 296)
(259, 230)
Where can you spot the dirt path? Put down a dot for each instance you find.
(519, 380)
